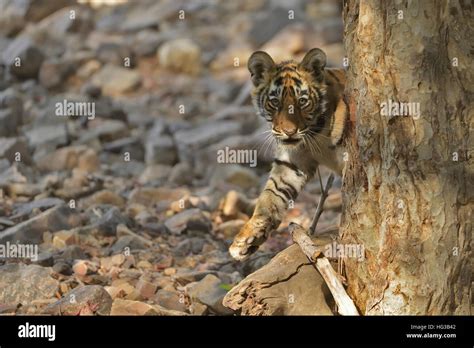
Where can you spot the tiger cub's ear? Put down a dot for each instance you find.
(314, 61)
(258, 63)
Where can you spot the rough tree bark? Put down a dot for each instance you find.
(408, 187)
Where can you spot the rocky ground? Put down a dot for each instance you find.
(130, 210)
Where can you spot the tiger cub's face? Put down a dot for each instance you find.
(290, 95)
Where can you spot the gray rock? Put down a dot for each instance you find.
(149, 196)
(116, 80)
(221, 91)
(51, 135)
(115, 54)
(31, 231)
(107, 223)
(267, 24)
(4, 164)
(127, 307)
(10, 146)
(68, 158)
(126, 169)
(197, 244)
(23, 284)
(255, 262)
(181, 174)
(155, 172)
(44, 259)
(105, 108)
(4, 222)
(23, 209)
(189, 246)
(11, 17)
(191, 142)
(182, 55)
(146, 42)
(9, 98)
(62, 267)
(73, 252)
(234, 174)
(140, 19)
(332, 30)
(197, 308)
(132, 145)
(183, 248)
(8, 122)
(59, 23)
(143, 17)
(108, 130)
(170, 300)
(35, 10)
(131, 242)
(54, 72)
(23, 58)
(154, 229)
(160, 150)
(209, 291)
(178, 125)
(159, 146)
(206, 134)
(52, 113)
(111, 21)
(91, 90)
(186, 277)
(14, 14)
(159, 128)
(12, 175)
(88, 299)
(189, 220)
(228, 269)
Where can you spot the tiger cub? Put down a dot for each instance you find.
(304, 103)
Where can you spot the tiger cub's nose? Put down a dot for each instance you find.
(290, 131)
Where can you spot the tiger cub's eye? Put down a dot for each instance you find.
(303, 101)
(275, 102)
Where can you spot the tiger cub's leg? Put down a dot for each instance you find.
(284, 184)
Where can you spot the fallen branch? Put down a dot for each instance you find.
(324, 195)
(313, 253)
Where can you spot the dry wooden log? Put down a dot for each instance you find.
(284, 286)
(315, 254)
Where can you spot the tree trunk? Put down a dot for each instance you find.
(408, 186)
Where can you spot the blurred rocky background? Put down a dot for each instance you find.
(129, 208)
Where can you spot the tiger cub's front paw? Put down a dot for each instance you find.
(250, 237)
